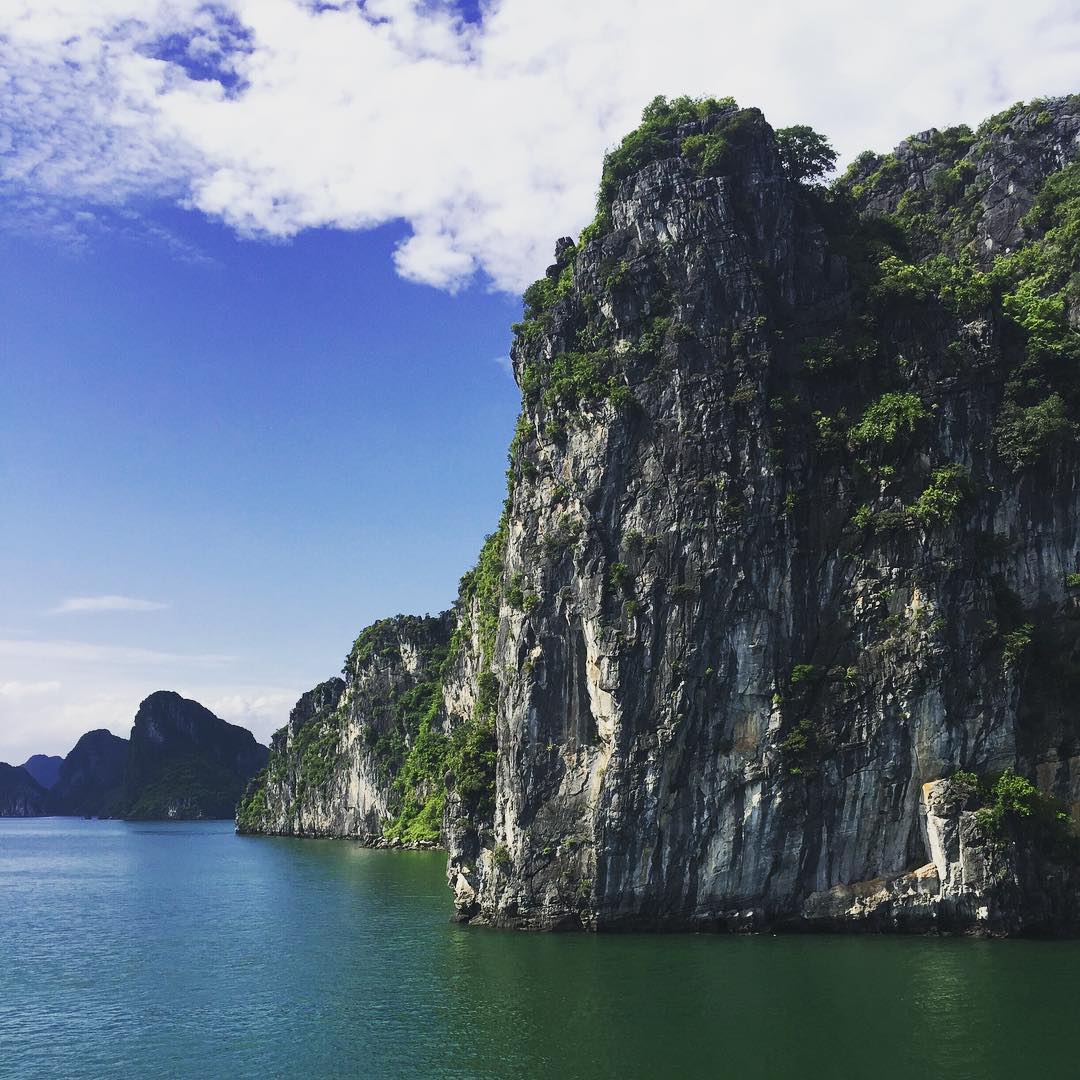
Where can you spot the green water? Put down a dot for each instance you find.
(181, 950)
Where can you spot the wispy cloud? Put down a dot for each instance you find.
(257, 710)
(86, 652)
(60, 717)
(86, 604)
(16, 690)
(277, 116)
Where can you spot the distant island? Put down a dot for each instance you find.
(20, 794)
(45, 769)
(181, 762)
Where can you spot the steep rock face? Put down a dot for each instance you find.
(20, 794)
(999, 886)
(332, 768)
(793, 534)
(44, 769)
(779, 625)
(91, 778)
(185, 762)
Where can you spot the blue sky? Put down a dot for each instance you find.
(280, 442)
(258, 264)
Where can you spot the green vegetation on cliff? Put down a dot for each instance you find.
(708, 133)
(464, 760)
(395, 677)
(935, 258)
(1007, 804)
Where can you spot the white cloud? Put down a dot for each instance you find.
(59, 719)
(53, 651)
(284, 115)
(16, 690)
(53, 690)
(83, 604)
(261, 711)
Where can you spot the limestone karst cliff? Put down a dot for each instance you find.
(332, 769)
(185, 762)
(90, 781)
(780, 624)
(44, 768)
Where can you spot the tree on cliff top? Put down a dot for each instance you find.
(804, 153)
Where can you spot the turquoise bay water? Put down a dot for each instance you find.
(181, 950)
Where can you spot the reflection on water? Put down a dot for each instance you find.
(184, 951)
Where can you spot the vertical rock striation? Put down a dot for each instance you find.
(793, 534)
(332, 768)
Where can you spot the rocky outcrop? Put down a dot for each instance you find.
(333, 767)
(181, 762)
(780, 625)
(44, 769)
(975, 881)
(792, 534)
(185, 762)
(91, 779)
(20, 794)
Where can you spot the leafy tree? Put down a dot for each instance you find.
(938, 503)
(885, 419)
(804, 154)
(1024, 436)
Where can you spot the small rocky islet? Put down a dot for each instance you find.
(181, 763)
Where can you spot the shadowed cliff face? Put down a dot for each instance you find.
(45, 769)
(794, 542)
(91, 779)
(20, 794)
(185, 762)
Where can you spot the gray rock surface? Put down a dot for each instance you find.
(782, 555)
(728, 700)
(332, 767)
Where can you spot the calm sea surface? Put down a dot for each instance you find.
(181, 950)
